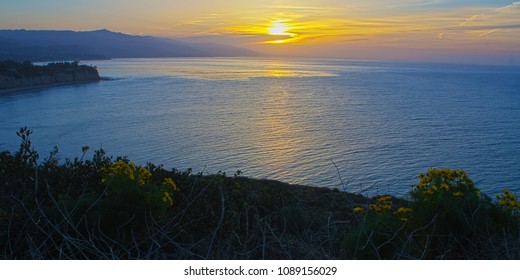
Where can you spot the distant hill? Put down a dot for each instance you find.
(36, 45)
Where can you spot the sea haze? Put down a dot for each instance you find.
(368, 127)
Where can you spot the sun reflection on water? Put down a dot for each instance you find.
(257, 69)
(279, 134)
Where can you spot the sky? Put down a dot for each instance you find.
(472, 31)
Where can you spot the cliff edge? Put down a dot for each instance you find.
(18, 75)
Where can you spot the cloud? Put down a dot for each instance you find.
(442, 26)
(486, 33)
(508, 8)
(491, 21)
(483, 26)
(469, 20)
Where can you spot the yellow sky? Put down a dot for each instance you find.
(338, 28)
(325, 24)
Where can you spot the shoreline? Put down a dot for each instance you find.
(36, 87)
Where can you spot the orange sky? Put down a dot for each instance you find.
(469, 31)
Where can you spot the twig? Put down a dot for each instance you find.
(222, 210)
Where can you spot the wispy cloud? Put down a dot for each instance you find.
(486, 33)
(469, 20)
(508, 8)
(491, 23)
(438, 26)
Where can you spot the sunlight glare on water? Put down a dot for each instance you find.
(294, 120)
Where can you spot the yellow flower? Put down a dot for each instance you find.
(458, 194)
(509, 200)
(402, 210)
(168, 186)
(168, 182)
(167, 198)
(128, 170)
(118, 168)
(360, 210)
(403, 213)
(382, 205)
(143, 175)
(444, 180)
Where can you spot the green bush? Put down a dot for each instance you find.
(447, 217)
(79, 200)
(106, 208)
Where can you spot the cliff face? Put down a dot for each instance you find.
(15, 75)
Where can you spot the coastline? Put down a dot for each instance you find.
(36, 87)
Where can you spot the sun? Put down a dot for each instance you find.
(278, 28)
(282, 30)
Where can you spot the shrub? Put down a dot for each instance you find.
(54, 206)
(447, 217)
(106, 208)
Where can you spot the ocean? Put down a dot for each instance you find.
(361, 126)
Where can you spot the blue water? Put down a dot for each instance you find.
(368, 127)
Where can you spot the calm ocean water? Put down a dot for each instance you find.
(380, 124)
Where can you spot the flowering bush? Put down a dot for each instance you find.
(114, 209)
(130, 171)
(167, 188)
(360, 210)
(443, 182)
(383, 204)
(446, 216)
(134, 196)
(404, 213)
(508, 200)
(123, 174)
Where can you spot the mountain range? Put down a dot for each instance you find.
(53, 45)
